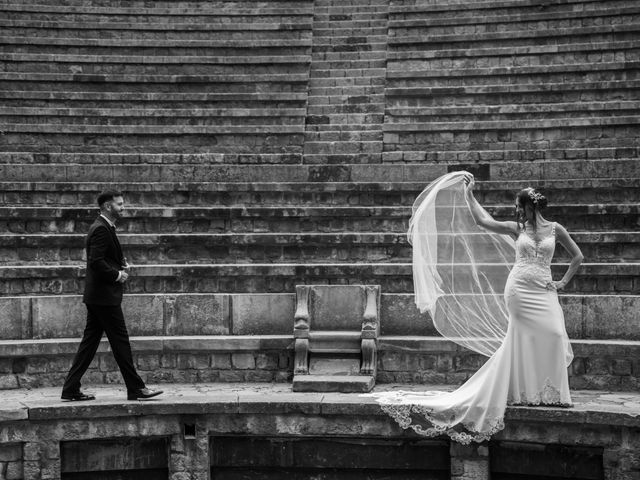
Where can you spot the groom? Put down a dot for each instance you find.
(105, 278)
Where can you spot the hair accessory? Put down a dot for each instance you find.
(535, 196)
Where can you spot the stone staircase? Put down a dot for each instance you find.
(346, 105)
(267, 145)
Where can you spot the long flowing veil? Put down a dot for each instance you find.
(459, 270)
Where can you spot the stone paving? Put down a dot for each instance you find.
(19, 404)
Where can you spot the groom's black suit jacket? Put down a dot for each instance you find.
(104, 262)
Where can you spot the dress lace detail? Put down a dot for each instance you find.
(549, 395)
(465, 434)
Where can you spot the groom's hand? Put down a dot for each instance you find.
(123, 276)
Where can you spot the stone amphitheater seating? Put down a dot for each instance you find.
(266, 145)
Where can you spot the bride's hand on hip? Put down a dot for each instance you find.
(553, 285)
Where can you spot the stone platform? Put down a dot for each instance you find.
(37, 427)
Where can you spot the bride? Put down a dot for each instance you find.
(462, 263)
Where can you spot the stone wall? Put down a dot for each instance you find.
(198, 430)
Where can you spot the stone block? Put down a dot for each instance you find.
(198, 315)
(16, 319)
(258, 314)
(143, 314)
(400, 316)
(243, 361)
(10, 452)
(573, 314)
(612, 316)
(58, 317)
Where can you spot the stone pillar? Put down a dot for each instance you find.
(189, 456)
(623, 462)
(469, 462)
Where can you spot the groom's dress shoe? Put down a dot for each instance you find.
(142, 394)
(77, 397)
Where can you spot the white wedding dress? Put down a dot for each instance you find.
(528, 368)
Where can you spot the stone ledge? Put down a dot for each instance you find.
(155, 112)
(299, 8)
(510, 71)
(399, 55)
(177, 129)
(151, 79)
(374, 187)
(521, 17)
(277, 25)
(155, 59)
(509, 35)
(591, 408)
(178, 43)
(86, 213)
(539, 88)
(157, 344)
(154, 96)
(457, 7)
(475, 125)
(543, 108)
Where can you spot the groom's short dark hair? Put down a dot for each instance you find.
(107, 196)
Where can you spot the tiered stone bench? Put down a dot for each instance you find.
(115, 78)
(262, 146)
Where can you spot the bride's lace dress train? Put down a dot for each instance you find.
(528, 368)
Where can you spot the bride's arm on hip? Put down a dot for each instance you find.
(482, 218)
(572, 247)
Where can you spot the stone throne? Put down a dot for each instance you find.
(336, 329)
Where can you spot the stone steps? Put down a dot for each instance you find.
(317, 194)
(578, 72)
(600, 278)
(516, 89)
(162, 46)
(195, 248)
(551, 52)
(137, 120)
(161, 8)
(490, 170)
(499, 7)
(595, 217)
(604, 20)
(459, 14)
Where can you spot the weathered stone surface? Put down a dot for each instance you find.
(144, 314)
(400, 316)
(199, 315)
(599, 323)
(337, 308)
(16, 319)
(263, 314)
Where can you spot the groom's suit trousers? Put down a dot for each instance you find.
(101, 319)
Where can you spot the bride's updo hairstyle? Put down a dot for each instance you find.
(530, 198)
